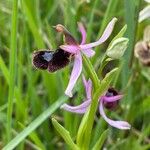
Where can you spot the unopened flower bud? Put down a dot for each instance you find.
(117, 48)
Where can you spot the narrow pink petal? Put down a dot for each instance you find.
(84, 81)
(80, 109)
(107, 32)
(73, 49)
(88, 52)
(77, 68)
(123, 125)
(83, 32)
(88, 87)
(112, 98)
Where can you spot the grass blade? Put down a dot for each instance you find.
(34, 124)
(101, 140)
(12, 68)
(65, 134)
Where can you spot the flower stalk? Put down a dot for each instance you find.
(98, 93)
(91, 71)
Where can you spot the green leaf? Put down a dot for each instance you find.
(117, 48)
(81, 129)
(101, 140)
(106, 81)
(12, 67)
(65, 134)
(34, 137)
(34, 124)
(4, 69)
(32, 24)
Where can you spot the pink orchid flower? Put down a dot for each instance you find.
(109, 100)
(72, 46)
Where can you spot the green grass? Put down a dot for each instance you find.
(29, 98)
(12, 67)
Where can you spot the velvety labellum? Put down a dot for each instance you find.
(51, 60)
(111, 105)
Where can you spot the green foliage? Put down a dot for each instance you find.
(101, 140)
(65, 134)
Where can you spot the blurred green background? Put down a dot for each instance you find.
(30, 97)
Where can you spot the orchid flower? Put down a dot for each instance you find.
(72, 46)
(109, 101)
(145, 12)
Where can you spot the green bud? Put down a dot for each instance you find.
(117, 48)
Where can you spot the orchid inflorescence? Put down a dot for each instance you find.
(106, 98)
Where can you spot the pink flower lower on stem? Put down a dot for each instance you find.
(109, 99)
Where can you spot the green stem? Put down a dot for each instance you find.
(91, 115)
(90, 70)
(102, 87)
(13, 48)
(92, 74)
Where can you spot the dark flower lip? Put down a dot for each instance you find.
(41, 58)
(60, 60)
(50, 60)
(110, 93)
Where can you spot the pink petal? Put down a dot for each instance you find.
(88, 52)
(73, 49)
(80, 109)
(77, 68)
(88, 87)
(112, 98)
(83, 32)
(84, 81)
(103, 38)
(117, 124)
